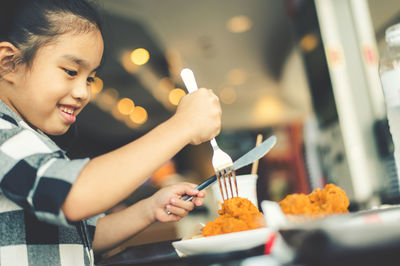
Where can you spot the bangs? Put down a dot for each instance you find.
(66, 22)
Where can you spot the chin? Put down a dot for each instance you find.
(56, 131)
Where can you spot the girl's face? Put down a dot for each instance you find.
(54, 90)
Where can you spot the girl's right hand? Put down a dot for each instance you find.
(200, 112)
(168, 198)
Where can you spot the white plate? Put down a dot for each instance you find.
(223, 243)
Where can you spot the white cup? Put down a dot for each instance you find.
(247, 188)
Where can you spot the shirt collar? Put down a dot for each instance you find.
(5, 109)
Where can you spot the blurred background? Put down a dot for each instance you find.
(305, 71)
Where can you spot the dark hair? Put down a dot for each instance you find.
(30, 24)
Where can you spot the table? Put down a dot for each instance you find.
(163, 253)
(366, 238)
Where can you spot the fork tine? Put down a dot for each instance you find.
(225, 177)
(226, 187)
(229, 176)
(235, 182)
(219, 177)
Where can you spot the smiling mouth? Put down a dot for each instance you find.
(67, 112)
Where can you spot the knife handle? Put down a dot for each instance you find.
(202, 186)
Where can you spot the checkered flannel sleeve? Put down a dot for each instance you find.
(34, 174)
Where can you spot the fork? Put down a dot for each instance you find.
(221, 161)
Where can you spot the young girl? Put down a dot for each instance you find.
(49, 53)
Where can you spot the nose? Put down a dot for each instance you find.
(81, 91)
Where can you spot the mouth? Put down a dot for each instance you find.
(68, 113)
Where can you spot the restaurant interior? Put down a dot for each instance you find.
(305, 71)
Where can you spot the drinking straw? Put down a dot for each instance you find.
(255, 163)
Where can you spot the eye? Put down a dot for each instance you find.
(90, 79)
(72, 73)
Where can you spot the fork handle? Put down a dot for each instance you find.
(214, 143)
(202, 186)
(189, 80)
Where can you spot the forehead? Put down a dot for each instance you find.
(84, 46)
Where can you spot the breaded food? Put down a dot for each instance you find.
(329, 200)
(236, 214)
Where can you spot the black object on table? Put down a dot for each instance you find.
(340, 242)
(163, 253)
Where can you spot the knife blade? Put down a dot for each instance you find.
(252, 155)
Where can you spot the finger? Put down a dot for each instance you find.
(173, 218)
(198, 202)
(190, 189)
(177, 211)
(202, 194)
(187, 205)
(192, 192)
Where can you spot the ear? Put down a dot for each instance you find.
(8, 57)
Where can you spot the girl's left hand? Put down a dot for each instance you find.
(168, 198)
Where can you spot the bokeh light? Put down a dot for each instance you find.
(309, 42)
(176, 95)
(268, 109)
(139, 115)
(125, 106)
(239, 24)
(140, 56)
(96, 87)
(236, 76)
(227, 95)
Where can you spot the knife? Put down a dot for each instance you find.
(252, 155)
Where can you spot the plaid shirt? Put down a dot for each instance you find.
(35, 178)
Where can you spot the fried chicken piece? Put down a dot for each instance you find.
(238, 206)
(330, 200)
(236, 214)
(296, 204)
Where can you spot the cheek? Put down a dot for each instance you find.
(48, 87)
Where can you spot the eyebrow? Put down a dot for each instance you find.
(82, 62)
